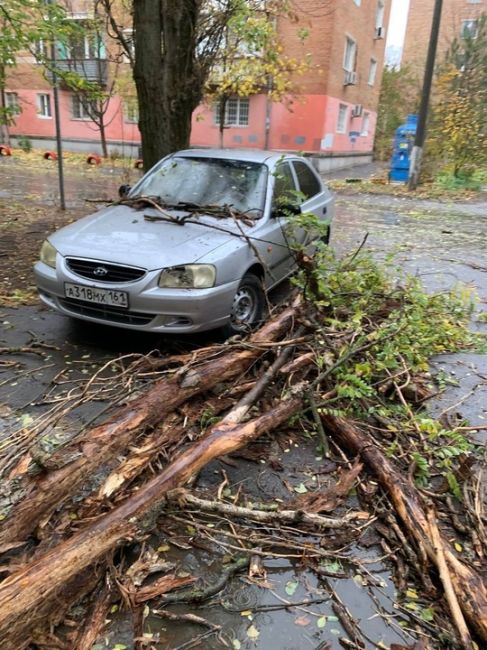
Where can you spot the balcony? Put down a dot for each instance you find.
(94, 70)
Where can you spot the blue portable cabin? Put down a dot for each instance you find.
(403, 146)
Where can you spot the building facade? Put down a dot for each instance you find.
(458, 18)
(331, 114)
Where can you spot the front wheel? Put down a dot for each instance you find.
(248, 307)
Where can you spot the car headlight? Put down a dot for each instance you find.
(48, 254)
(189, 276)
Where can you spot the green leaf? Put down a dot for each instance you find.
(301, 488)
(427, 614)
(321, 622)
(236, 644)
(291, 587)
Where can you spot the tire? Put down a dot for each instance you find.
(248, 308)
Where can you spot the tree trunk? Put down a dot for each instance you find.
(103, 135)
(37, 583)
(169, 86)
(469, 587)
(42, 494)
(222, 107)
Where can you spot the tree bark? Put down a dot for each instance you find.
(166, 74)
(469, 587)
(38, 582)
(42, 494)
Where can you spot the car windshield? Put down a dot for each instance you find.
(207, 181)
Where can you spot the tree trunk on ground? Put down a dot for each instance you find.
(38, 583)
(469, 587)
(169, 86)
(44, 493)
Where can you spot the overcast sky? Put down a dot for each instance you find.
(397, 25)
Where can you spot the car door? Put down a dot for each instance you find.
(276, 252)
(315, 197)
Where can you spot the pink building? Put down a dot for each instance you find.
(331, 116)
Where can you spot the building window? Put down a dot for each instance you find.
(40, 48)
(82, 46)
(128, 35)
(372, 72)
(131, 110)
(44, 105)
(342, 118)
(350, 54)
(236, 112)
(474, 2)
(379, 15)
(358, 2)
(365, 124)
(470, 28)
(12, 101)
(79, 109)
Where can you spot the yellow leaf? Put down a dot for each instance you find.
(253, 632)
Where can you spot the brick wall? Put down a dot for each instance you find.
(419, 28)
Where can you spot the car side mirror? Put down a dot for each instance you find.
(123, 191)
(286, 209)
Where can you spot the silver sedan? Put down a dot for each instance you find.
(193, 246)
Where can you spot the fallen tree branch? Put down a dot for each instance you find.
(41, 494)
(199, 595)
(182, 497)
(468, 586)
(445, 577)
(25, 589)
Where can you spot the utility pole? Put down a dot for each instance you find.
(417, 152)
(57, 122)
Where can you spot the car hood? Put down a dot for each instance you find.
(120, 234)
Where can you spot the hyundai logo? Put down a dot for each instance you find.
(100, 271)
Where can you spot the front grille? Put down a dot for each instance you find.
(106, 272)
(103, 312)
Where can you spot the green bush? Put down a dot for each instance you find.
(25, 144)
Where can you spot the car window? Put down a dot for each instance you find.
(308, 183)
(284, 186)
(207, 181)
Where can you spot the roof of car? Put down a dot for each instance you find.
(249, 155)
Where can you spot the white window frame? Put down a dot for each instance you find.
(372, 71)
(350, 54)
(472, 22)
(379, 14)
(342, 118)
(128, 34)
(237, 112)
(474, 2)
(44, 110)
(41, 47)
(11, 100)
(131, 111)
(365, 124)
(83, 113)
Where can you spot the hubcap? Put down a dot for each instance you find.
(244, 309)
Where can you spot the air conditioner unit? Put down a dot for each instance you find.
(350, 78)
(357, 110)
(380, 32)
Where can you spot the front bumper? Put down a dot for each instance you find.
(151, 309)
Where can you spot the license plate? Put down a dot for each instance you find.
(109, 297)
